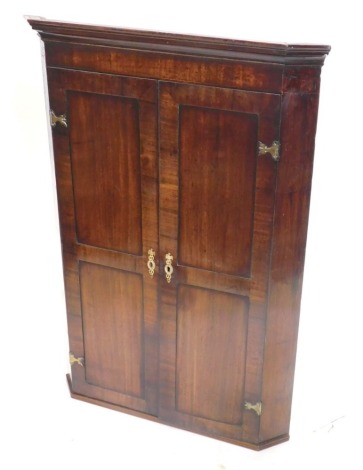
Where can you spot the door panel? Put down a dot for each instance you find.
(216, 214)
(211, 345)
(106, 166)
(105, 159)
(112, 307)
(216, 188)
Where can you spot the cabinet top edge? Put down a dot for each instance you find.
(283, 53)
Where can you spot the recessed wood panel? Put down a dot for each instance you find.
(112, 310)
(105, 155)
(211, 343)
(217, 181)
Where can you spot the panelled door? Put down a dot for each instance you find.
(216, 211)
(104, 136)
(215, 198)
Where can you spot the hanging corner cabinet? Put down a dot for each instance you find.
(183, 168)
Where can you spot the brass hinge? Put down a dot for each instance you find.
(274, 150)
(76, 360)
(62, 119)
(257, 407)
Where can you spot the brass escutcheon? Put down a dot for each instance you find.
(168, 267)
(151, 262)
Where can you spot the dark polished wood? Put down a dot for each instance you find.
(106, 171)
(287, 261)
(216, 214)
(201, 45)
(112, 313)
(213, 176)
(104, 141)
(161, 152)
(202, 328)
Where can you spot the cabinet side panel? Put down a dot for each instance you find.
(104, 140)
(112, 311)
(298, 127)
(211, 347)
(217, 174)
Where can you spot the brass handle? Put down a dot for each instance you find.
(151, 262)
(62, 119)
(168, 267)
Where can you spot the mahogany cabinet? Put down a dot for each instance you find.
(183, 168)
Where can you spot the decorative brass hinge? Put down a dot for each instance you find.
(76, 360)
(257, 407)
(62, 119)
(274, 150)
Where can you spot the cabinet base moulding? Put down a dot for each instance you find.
(155, 419)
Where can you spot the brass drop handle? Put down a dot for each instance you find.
(168, 267)
(151, 262)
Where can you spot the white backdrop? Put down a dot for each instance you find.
(41, 427)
